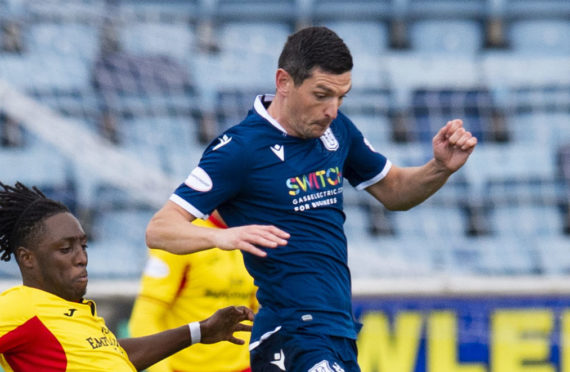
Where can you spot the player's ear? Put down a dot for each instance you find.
(24, 257)
(283, 82)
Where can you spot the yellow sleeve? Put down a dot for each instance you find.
(160, 283)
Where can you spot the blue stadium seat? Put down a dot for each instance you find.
(363, 38)
(65, 10)
(42, 164)
(433, 108)
(537, 8)
(256, 10)
(392, 257)
(367, 41)
(411, 71)
(510, 70)
(553, 254)
(249, 53)
(357, 221)
(45, 72)
(66, 40)
(119, 234)
(174, 39)
(376, 129)
(544, 36)
(515, 161)
(356, 10)
(10, 271)
(526, 220)
(446, 36)
(430, 221)
(446, 9)
(159, 9)
(503, 256)
(155, 140)
(540, 128)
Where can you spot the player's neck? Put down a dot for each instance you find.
(277, 112)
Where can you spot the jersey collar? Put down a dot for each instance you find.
(259, 106)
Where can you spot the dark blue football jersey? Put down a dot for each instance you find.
(256, 173)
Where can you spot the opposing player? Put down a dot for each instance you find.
(177, 289)
(277, 180)
(47, 325)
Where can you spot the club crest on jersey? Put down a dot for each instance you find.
(279, 151)
(223, 141)
(329, 140)
(199, 180)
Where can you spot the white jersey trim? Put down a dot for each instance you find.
(376, 178)
(263, 337)
(260, 108)
(187, 206)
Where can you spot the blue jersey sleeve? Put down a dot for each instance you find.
(216, 179)
(364, 166)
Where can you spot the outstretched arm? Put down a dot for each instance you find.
(145, 351)
(404, 188)
(171, 229)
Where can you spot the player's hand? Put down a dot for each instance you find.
(248, 238)
(222, 325)
(452, 145)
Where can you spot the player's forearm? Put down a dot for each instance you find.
(173, 233)
(146, 351)
(411, 186)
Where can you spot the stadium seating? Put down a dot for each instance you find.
(446, 36)
(367, 41)
(150, 74)
(175, 39)
(118, 234)
(358, 10)
(540, 36)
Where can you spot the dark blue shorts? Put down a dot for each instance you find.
(299, 352)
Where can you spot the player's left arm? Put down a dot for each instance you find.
(145, 351)
(404, 188)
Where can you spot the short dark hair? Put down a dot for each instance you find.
(21, 212)
(314, 47)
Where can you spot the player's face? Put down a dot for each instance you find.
(61, 257)
(313, 105)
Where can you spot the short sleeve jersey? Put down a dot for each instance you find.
(256, 173)
(41, 331)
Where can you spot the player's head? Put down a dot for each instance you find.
(313, 77)
(314, 47)
(47, 241)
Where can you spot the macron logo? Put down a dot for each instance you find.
(279, 151)
(223, 141)
(279, 360)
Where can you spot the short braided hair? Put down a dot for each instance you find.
(21, 211)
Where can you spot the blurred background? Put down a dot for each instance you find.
(107, 106)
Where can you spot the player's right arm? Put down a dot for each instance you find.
(171, 229)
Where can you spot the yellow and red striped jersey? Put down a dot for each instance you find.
(41, 331)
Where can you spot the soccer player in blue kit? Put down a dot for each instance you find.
(277, 181)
